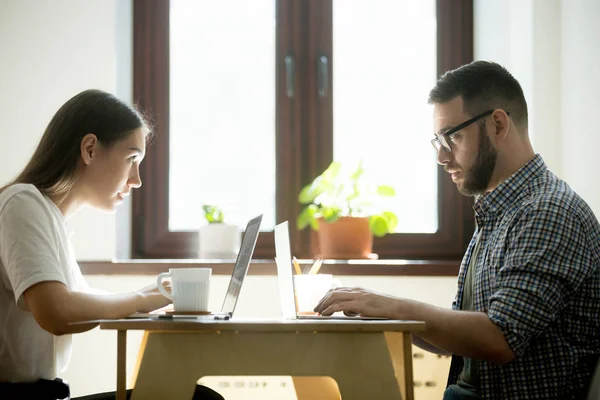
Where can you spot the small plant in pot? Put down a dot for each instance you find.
(346, 212)
(217, 239)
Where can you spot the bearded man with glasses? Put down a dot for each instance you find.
(525, 323)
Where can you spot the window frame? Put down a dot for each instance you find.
(304, 132)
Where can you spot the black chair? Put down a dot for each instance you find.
(200, 393)
(43, 389)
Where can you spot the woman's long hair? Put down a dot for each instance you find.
(53, 167)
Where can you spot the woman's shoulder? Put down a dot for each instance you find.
(21, 187)
(24, 195)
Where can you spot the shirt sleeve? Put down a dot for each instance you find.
(29, 244)
(545, 263)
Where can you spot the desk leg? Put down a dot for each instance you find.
(140, 356)
(400, 349)
(121, 365)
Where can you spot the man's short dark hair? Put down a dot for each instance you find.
(483, 85)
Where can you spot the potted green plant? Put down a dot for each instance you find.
(217, 239)
(346, 212)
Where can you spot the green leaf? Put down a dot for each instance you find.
(355, 193)
(314, 224)
(310, 192)
(307, 217)
(213, 214)
(378, 225)
(332, 172)
(392, 221)
(331, 214)
(321, 184)
(358, 173)
(352, 196)
(385, 190)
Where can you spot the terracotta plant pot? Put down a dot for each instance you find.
(346, 238)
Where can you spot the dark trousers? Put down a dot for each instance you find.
(461, 391)
(59, 390)
(43, 389)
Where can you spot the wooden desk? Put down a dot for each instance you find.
(367, 359)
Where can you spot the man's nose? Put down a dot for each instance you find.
(443, 156)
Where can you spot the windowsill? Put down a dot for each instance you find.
(267, 267)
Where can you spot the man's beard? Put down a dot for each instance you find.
(477, 178)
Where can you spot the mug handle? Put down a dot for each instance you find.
(159, 285)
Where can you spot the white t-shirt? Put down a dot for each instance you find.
(35, 247)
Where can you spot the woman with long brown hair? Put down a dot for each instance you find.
(89, 155)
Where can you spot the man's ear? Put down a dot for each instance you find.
(501, 125)
(88, 148)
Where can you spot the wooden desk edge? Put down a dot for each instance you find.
(265, 327)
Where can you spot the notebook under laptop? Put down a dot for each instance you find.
(235, 283)
(283, 259)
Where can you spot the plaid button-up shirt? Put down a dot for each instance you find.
(537, 277)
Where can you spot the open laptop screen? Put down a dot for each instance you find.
(241, 265)
(283, 260)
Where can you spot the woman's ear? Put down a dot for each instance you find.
(89, 147)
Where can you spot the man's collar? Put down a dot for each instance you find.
(496, 201)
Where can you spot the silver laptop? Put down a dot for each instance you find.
(240, 271)
(241, 267)
(283, 259)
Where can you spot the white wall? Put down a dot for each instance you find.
(580, 91)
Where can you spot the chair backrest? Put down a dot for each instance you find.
(594, 393)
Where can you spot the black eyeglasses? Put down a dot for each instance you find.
(442, 139)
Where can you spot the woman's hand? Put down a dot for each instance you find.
(154, 289)
(152, 300)
(55, 307)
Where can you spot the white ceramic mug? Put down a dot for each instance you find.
(189, 287)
